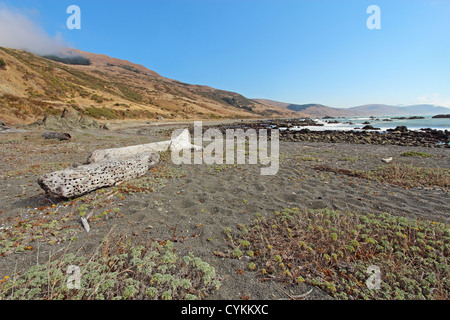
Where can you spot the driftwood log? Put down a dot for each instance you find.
(110, 167)
(78, 180)
(57, 135)
(177, 143)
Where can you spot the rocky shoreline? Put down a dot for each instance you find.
(427, 138)
(400, 136)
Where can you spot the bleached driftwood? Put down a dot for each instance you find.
(180, 142)
(76, 181)
(109, 167)
(85, 224)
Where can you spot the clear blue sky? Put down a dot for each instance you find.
(315, 51)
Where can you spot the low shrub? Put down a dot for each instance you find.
(99, 113)
(73, 60)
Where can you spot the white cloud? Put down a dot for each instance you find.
(434, 99)
(17, 31)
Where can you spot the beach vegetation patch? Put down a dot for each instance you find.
(309, 158)
(337, 252)
(405, 175)
(415, 154)
(158, 179)
(120, 269)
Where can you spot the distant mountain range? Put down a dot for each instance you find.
(319, 110)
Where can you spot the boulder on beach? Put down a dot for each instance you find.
(88, 123)
(369, 127)
(398, 129)
(69, 119)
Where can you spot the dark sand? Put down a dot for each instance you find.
(194, 208)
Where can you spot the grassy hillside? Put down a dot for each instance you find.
(109, 88)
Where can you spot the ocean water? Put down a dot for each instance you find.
(377, 122)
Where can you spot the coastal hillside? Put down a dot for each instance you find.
(106, 88)
(412, 110)
(318, 110)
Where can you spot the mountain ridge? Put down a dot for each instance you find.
(319, 110)
(109, 88)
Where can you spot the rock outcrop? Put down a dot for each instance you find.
(69, 119)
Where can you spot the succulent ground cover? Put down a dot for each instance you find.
(406, 175)
(333, 250)
(119, 269)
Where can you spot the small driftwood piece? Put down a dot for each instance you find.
(57, 135)
(78, 180)
(85, 223)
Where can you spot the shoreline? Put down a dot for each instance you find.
(299, 131)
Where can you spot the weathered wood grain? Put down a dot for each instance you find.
(79, 180)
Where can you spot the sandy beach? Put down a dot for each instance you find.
(193, 206)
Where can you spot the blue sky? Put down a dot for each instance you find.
(315, 51)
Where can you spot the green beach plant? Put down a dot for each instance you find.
(119, 269)
(415, 154)
(333, 251)
(406, 175)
